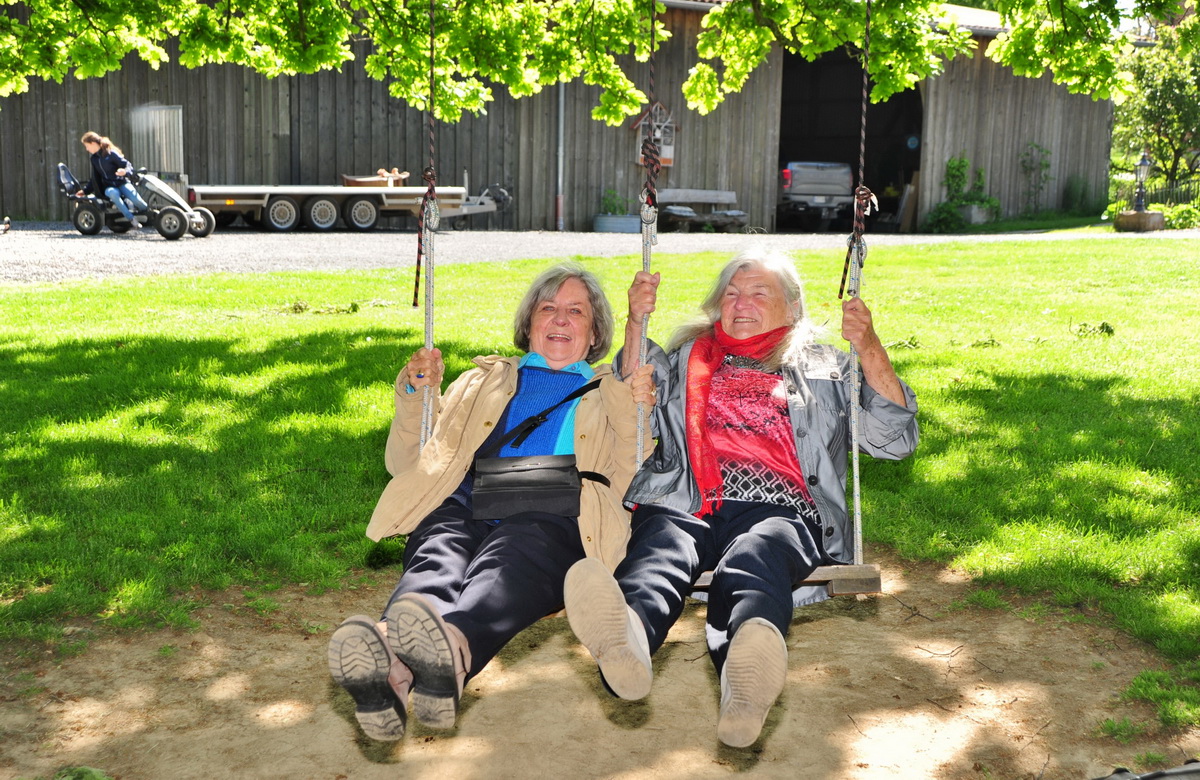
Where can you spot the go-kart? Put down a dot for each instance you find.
(170, 214)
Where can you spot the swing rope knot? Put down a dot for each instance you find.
(653, 163)
(856, 245)
(865, 199)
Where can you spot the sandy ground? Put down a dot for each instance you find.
(906, 685)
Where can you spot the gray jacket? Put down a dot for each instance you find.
(818, 389)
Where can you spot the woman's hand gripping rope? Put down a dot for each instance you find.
(425, 368)
(641, 384)
(643, 295)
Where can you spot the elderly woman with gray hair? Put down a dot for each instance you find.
(748, 480)
(480, 566)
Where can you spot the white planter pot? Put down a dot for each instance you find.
(975, 214)
(617, 223)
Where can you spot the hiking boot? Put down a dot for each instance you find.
(360, 662)
(610, 630)
(752, 679)
(436, 652)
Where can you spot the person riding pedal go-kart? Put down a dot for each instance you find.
(113, 176)
(157, 202)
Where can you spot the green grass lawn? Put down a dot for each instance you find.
(162, 437)
(1044, 222)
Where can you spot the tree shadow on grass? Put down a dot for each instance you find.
(137, 469)
(1023, 466)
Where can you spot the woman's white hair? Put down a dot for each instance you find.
(780, 266)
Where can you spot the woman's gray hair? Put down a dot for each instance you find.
(803, 331)
(546, 286)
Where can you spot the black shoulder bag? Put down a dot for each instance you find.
(529, 483)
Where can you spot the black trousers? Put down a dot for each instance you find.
(490, 581)
(757, 552)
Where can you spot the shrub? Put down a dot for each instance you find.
(612, 202)
(1115, 208)
(1077, 198)
(944, 217)
(1181, 216)
(1035, 164)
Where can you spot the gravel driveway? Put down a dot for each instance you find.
(55, 251)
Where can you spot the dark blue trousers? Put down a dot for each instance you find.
(757, 552)
(491, 581)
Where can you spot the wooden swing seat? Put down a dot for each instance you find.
(848, 579)
(841, 580)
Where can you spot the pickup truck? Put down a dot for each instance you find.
(815, 193)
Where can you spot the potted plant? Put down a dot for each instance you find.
(975, 205)
(614, 216)
(962, 206)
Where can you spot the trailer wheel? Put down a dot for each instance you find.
(203, 223)
(281, 214)
(87, 219)
(320, 213)
(361, 213)
(172, 223)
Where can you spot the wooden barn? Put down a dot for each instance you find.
(975, 109)
(241, 128)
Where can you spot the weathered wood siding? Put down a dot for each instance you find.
(983, 111)
(242, 128)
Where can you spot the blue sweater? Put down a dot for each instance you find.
(538, 387)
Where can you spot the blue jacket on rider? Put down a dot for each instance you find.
(104, 172)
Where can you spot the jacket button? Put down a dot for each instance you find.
(812, 479)
(589, 538)
(801, 434)
(487, 423)
(833, 375)
(583, 435)
(829, 531)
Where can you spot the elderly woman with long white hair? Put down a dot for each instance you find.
(748, 480)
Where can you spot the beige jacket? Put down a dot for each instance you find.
(606, 442)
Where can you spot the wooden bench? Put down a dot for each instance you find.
(675, 215)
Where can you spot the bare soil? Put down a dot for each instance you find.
(907, 684)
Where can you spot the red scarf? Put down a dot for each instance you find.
(707, 355)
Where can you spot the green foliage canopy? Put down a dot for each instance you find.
(525, 45)
(1162, 113)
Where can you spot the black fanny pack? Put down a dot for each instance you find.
(504, 487)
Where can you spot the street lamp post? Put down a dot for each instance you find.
(1141, 171)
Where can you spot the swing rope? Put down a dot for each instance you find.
(649, 213)
(856, 255)
(427, 223)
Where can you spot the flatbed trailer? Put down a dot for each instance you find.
(281, 207)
